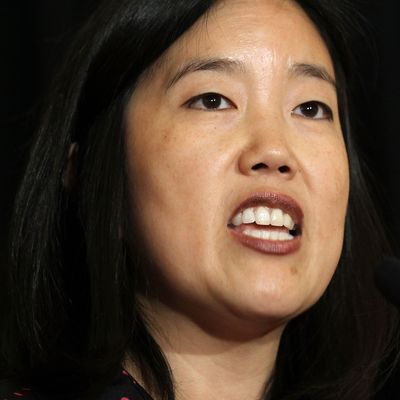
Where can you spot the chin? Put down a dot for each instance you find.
(275, 308)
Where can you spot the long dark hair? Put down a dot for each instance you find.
(77, 263)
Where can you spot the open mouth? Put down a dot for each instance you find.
(268, 222)
(265, 223)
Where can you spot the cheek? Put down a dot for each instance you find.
(330, 180)
(330, 191)
(336, 180)
(152, 154)
(171, 190)
(168, 178)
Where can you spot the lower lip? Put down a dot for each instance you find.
(273, 247)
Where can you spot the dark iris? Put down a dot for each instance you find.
(211, 100)
(310, 110)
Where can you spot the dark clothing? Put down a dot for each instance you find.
(124, 387)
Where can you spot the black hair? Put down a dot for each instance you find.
(76, 262)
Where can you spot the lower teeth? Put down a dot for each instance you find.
(269, 235)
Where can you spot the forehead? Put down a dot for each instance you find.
(258, 33)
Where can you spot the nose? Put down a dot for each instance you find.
(268, 152)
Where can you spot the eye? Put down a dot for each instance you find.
(210, 102)
(314, 110)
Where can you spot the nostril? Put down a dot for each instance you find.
(284, 169)
(259, 166)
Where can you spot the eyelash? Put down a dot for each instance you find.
(216, 99)
(322, 108)
(210, 96)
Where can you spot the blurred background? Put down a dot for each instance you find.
(33, 38)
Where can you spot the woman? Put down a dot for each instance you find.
(195, 213)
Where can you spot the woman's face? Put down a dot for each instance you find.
(239, 122)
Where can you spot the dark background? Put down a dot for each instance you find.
(35, 33)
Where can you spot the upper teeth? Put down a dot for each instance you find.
(263, 216)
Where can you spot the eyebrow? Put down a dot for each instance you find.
(231, 65)
(313, 71)
(211, 64)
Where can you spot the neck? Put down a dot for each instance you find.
(213, 366)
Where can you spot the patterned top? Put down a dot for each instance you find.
(124, 387)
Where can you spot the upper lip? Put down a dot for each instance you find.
(273, 200)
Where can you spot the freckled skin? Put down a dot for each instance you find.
(191, 168)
